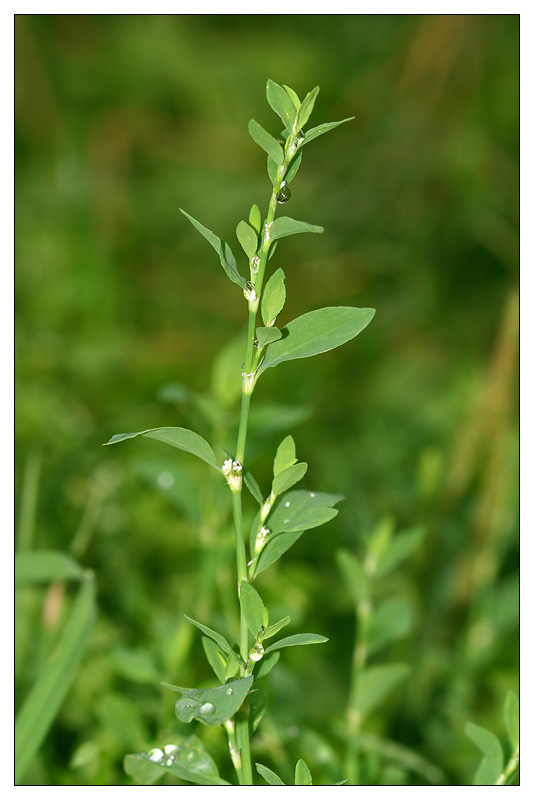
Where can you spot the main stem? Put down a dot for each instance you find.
(242, 718)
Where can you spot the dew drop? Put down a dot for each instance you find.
(156, 754)
(165, 480)
(256, 654)
(284, 194)
(229, 691)
(312, 494)
(286, 521)
(190, 755)
(287, 504)
(207, 708)
(170, 748)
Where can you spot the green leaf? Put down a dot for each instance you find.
(285, 226)
(316, 332)
(293, 167)
(492, 763)
(251, 608)
(248, 238)
(266, 336)
(285, 455)
(274, 297)
(302, 774)
(313, 133)
(511, 715)
(376, 683)
(253, 486)
(264, 666)
(266, 142)
(356, 580)
(216, 658)
(49, 691)
(271, 777)
(293, 95)
(182, 438)
(307, 107)
(297, 639)
(45, 566)
(272, 170)
(254, 218)
(288, 477)
(257, 702)
(398, 550)
(281, 104)
(213, 706)
(223, 250)
(392, 619)
(272, 630)
(217, 637)
(190, 762)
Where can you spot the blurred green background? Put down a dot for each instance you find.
(120, 121)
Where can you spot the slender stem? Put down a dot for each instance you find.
(509, 769)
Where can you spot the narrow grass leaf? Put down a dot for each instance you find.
(289, 477)
(222, 249)
(266, 142)
(213, 706)
(297, 640)
(269, 776)
(215, 657)
(247, 238)
(285, 455)
(313, 133)
(44, 566)
(182, 438)
(302, 774)
(189, 762)
(492, 762)
(267, 336)
(251, 607)
(285, 226)
(511, 716)
(398, 550)
(217, 637)
(377, 683)
(281, 103)
(48, 693)
(316, 332)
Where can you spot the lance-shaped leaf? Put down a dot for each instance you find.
(273, 297)
(271, 777)
(252, 607)
(285, 226)
(217, 637)
(267, 336)
(491, 766)
(293, 167)
(252, 485)
(216, 658)
(316, 332)
(266, 142)
(272, 630)
(247, 238)
(302, 774)
(289, 477)
(307, 107)
(222, 249)
(313, 133)
(254, 218)
(296, 640)
(285, 455)
(213, 706)
(187, 761)
(293, 95)
(182, 438)
(281, 103)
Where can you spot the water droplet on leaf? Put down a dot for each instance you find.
(284, 194)
(207, 708)
(256, 654)
(155, 754)
(229, 691)
(165, 480)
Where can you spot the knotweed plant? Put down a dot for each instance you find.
(284, 513)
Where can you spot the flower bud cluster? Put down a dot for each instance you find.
(234, 474)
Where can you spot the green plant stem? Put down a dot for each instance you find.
(354, 717)
(509, 769)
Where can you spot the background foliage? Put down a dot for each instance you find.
(121, 120)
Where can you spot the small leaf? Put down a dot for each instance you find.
(272, 630)
(281, 104)
(296, 640)
(213, 706)
(266, 336)
(217, 637)
(307, 107)
(182, 438)
(251, 608)
(274, 297)
(254, 218)
(266, 142)
(285, 226)
(316, 332)
(216, 658)
(257, 701)
(46, 566)
(190, 762)
(302, 774)
(272, 170)
(398, 550)
(293, 95)
(248, 238)
(266, 664)
(376, 683)
(293, 167)
(393, 619)
(289, 477)
(492, 763)
(252, 485)
(223, 250)
(271, 777)
(313, 133)
(300, 510)
(511, 715)
(285, 455)
(356, 580)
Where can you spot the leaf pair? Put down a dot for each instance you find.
(187, 761)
